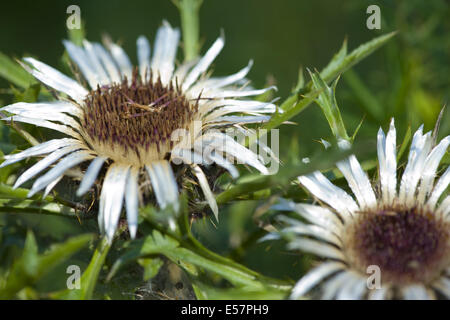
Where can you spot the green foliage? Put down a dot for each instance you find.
(14, 73)
(89, 277)
(40, 236)
(31, 266)
(327, 102)
(341, 61)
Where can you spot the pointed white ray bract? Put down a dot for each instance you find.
(131, 200)
(143, 53)
(334, 196)
(46, 124)
(114, 199)
(314, 277)
(358, 182)
(420, 148)
(79, 56)
(440, 186)
(166, 43)
(204, 63)
(204, 185)
(91, 175)
(45, 163)
(430, 168)
(122, 60)
(214, 83)
(388, 163)
(56, 79)
(40, 149)
(108, 63)
(95, 61)
(43, 108)
(163, 183)
(68, 162)
(51, 185)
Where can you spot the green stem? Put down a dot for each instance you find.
(90, 275)
(190, 24)
(62, 207)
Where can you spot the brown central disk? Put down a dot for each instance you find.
(136, 115)
(407, 245)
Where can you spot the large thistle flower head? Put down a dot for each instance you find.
(401, 230)
(130, 121)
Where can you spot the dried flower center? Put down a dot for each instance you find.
(407, 245)
(135, 119)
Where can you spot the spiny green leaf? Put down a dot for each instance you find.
(300, 81)
(335, 62)
(291, 107)
(340, 64)
(327, 102)
(357, 129)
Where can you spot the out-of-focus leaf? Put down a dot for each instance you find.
(5, 171)
(89, 277)
(151, 267)
(368, 101)
(31, 266)
(426, 105)
(30, 94)
(405, 143)
(6, 147)
(14, 73)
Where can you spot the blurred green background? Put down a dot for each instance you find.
(408, 78)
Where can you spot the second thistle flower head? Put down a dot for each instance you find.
(403, 230)
(126, 120)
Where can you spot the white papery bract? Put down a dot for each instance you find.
(400, 228)
(124, 120)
